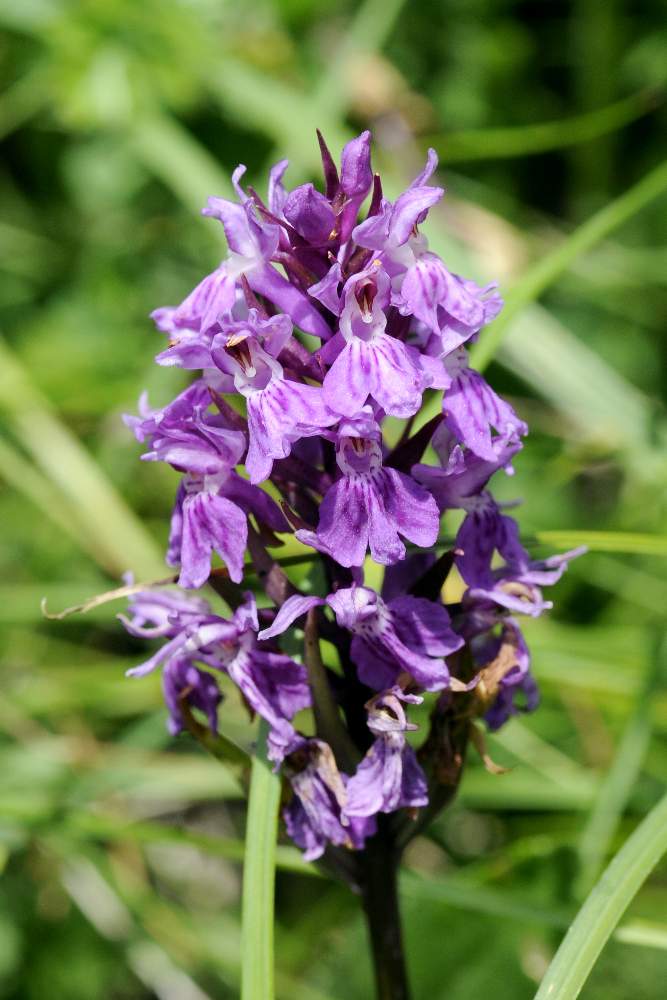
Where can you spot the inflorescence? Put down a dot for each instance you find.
(321, 326)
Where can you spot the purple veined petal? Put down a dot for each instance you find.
(289, 299)
(376, 667)
(375, 787)
(343, 529)
(356, 175)
(412, 508)
(530, 603)
(310, 213)
(299, 828)
(182, 679)
(478, 537)
(383, 531)
(163, 654)
(327, 291)
(214, 296)
(276, 192)
(546, 572)
(284, 682)
(237, 174)
(167, 610)
(255, 501)
(293, 608)
(352, 605)
(347, 383)
(471, 409)
(174, 545)
(429, 287)
(187, 349)
(235, 223)
(278, 414)
(409, 209)
(245, 617)
(211, 522)
(434, 373)
(424, 624)
(414, 788)
(373, 233)
(249, 674)
(395, 378)
(428, 171)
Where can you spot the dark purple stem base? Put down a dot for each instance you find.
(379, 865)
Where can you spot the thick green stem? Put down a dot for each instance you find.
(380, 898)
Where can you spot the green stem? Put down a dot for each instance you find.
(380, 899)
(259, 876)
(604, 907)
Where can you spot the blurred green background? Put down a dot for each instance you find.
(120, 847)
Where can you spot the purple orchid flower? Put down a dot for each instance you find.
(389, 777)
(371, 362)
(507, 681)
(272, 684)
(316, 815)
(280, 410)
(369, 504)
(471, 409)
(409, 635)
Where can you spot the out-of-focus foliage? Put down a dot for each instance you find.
(120, 847)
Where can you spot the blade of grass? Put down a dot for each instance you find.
(545, 271)
(604, 907)
(606, 541)
(186, 167)
(367, 33)
(508, 906)
(620, 779)
(524, 140)
(121, 540)
(95, 825)
(257, 976)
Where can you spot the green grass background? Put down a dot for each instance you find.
(119, 847)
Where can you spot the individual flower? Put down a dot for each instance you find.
(213, 501)
(316, 814)
(506, 686)
(371, 362)
(370, 505)
(389, 777)
(271, 683)
(472, 410)
(407, 636)
(280, 410)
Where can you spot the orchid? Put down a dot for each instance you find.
(286, 435)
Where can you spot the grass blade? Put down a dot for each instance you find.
(100, 512)
(257, 976)
(524, 140)
(604, 907)
(619, 782)
(629, 542)
(546, 270)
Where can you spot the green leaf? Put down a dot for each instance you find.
(102, 516)
(546, 270)
(257, 976)
(604, 907)
(524, 140)
(620, 779)
(606, 541)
